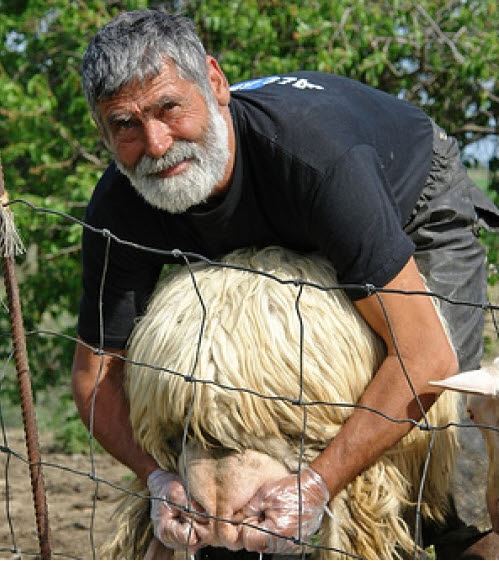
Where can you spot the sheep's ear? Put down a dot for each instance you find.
(484, 381)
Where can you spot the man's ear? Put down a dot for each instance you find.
(218, 81)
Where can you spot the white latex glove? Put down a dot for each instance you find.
(275, 508)
(174, 527)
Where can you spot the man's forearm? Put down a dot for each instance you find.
(108, 417)
(111, 427)
(410, 327)
(366, 435)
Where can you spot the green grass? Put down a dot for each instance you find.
(480, 176)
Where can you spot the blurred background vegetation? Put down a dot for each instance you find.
(441, 55)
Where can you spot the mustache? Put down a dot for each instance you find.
(178, 152)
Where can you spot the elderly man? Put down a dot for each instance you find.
(310, 161)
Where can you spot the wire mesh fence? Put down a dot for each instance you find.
(10, 453)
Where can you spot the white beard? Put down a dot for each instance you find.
(205, 168)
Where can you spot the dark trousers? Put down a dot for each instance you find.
(444, 227)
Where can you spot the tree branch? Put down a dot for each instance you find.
(64, 251)
(457, 55)
(77, 146)
(471, 127)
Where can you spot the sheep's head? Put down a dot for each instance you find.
(483, 407)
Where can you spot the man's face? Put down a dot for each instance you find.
(169, 140)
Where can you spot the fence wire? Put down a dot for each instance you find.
(187, 258)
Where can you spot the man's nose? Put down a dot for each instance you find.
(158, 138)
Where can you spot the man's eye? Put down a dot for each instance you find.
(168, 108)
(125, 124)
(169, 105)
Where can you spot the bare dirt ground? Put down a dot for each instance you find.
(70, 502)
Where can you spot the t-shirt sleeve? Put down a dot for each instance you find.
(117, 283)
(356, 223)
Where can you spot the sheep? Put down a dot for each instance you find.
(482, 387)
(250, 338)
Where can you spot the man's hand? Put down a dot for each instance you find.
(275, 508)
(172, 525)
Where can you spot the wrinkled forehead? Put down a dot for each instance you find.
(143, 95)
(140, 83)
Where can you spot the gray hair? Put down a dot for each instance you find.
(134, 46)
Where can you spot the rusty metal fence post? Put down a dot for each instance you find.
(22, 368)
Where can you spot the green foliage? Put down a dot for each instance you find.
(52, 158)
(440, 55)
(56, 412)
(72, 437)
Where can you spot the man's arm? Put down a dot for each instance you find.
(111, 427)
(111, 424)
(426, 354)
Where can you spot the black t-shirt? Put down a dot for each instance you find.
(322, 163)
